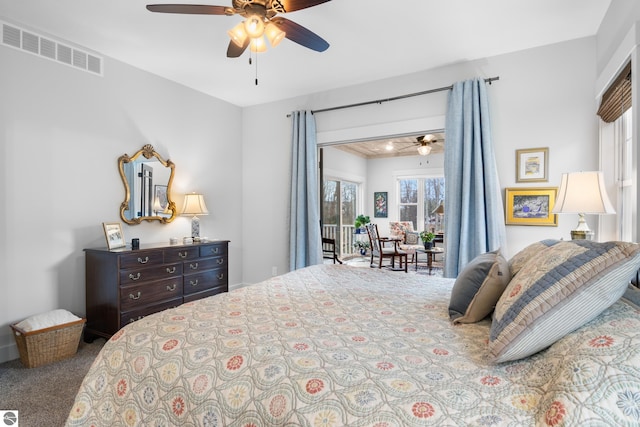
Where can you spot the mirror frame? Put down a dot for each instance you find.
(148, 152)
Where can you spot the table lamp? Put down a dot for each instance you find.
(194, 205)
(583, 193)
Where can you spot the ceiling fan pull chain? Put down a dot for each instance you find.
(256, 69)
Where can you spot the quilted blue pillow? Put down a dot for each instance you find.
(557, 291)
(518, 260)
(478, 288)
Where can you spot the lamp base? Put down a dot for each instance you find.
(195, 227)
(582, 235)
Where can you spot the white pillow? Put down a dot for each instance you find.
(47, 320)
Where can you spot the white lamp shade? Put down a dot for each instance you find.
(254, 26)
(274, 34)
(238, 34)
(583, 193)
(194, 205)
(424, 150)
(258, 44)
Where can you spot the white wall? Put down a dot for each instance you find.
(544, 98)
(61, 133)
(383, 176)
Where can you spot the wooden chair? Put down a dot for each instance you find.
(329, 249)
(378, 248)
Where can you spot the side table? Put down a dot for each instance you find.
(430, 255)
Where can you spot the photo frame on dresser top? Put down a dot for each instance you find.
(114, 235)
(532, 165)
(530, 206)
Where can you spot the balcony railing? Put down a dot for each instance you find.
(345, 239)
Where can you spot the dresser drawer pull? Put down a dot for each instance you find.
(220, 260)
(215, 250)
(143, 261)
(133, 320)
(136, 277)
(220, 276)
(183, 254)
(132, 296)
(172, 288)
(171, 270)
(193, 266)
(193, 283)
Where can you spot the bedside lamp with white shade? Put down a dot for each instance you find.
(194, 205)
(583, 193)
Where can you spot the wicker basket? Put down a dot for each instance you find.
(48, 345)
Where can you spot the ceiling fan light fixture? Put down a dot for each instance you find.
(424, 150)
(254, 26)
(238, 34)
(274, 34)
(258, 44)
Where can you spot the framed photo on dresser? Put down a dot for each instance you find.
(113, 234)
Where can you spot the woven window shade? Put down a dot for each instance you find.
(617, 99)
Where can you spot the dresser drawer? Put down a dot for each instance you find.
(132, 316)
(216, 249)
(129, 277)
(137, 296)
(181, 254)
(143, 259)
(203, 264)
(207, 279)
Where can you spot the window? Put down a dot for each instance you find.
(340, 203)
(418, 198)
(616, 157)
(624, 176)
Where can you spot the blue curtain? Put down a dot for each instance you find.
(305, 241)
(473, 199)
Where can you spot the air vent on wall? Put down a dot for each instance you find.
(28, 41)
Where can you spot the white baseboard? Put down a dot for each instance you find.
(9, 352)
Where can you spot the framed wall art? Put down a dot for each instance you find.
(380, 205)
(113, 234)
(532, 165)
(531, 206)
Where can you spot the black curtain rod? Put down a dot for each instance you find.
(395, 98)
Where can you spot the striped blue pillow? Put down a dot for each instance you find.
(557, 291)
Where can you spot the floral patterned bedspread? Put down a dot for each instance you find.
(345, 346)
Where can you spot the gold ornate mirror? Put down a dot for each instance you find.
(147, 179)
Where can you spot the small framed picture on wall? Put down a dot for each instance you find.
(380, 205)
(531, 206)
(532, 165)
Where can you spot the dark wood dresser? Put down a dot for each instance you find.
(124, 285)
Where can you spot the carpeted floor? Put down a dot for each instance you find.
(363, 261)
(43, 396)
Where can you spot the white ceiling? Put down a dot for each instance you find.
(370, 39)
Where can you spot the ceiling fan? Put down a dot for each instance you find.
(424, 143)
(260, 20)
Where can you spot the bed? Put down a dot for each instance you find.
(333, 345)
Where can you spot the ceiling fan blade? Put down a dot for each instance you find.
(301, 35)
(234, 51)
(193, 9)
(284, 6)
